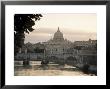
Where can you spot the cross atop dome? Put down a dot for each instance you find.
(58, 30)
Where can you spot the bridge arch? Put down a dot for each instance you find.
(70, 60)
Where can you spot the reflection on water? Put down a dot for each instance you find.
(36, 69)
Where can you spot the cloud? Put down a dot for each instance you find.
(66, 31)
(44, 30)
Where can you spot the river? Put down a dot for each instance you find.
(36, 69)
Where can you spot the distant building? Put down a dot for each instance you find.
(86, 51)
(89, 43)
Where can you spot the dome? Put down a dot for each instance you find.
(58, 35)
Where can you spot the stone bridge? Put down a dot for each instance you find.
(82, 57)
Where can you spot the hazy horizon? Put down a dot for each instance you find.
(75, 27)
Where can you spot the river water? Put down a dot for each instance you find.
(36, 69)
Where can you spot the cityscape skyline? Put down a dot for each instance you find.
(75, 27)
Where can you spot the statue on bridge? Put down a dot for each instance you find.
(44, 62)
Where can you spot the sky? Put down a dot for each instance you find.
(75, 27)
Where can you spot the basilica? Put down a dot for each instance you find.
(59, 47)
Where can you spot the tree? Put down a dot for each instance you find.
(23, 24)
